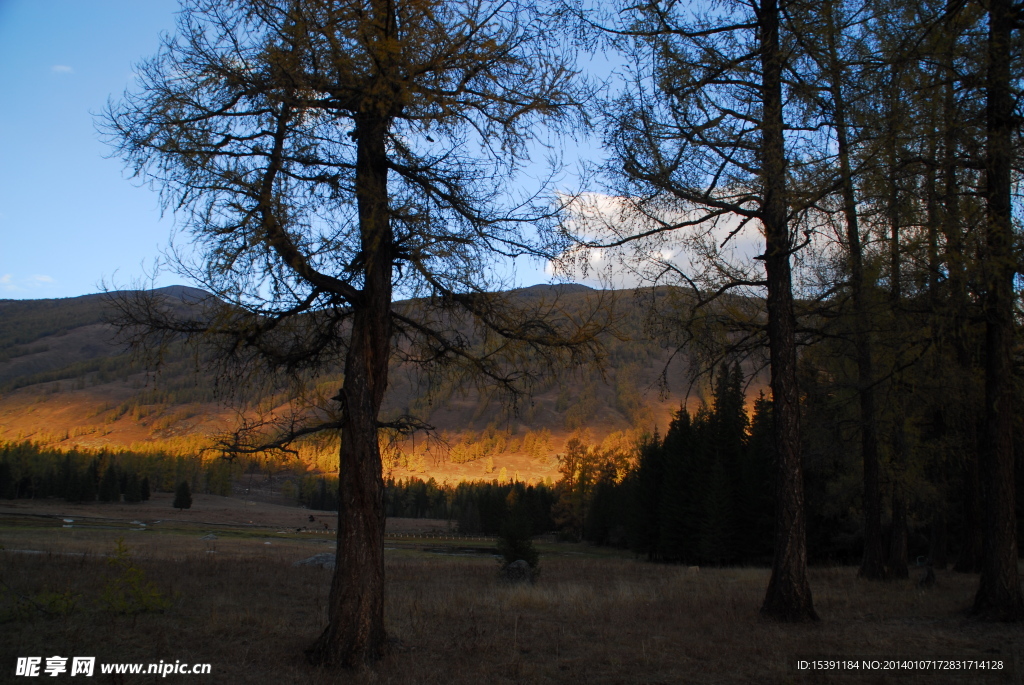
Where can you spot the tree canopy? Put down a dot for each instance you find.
(326, 156)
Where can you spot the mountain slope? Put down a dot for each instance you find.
(65, 380)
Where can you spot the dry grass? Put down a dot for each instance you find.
(240, 605)
(210, 510)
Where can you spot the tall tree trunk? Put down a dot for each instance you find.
(969, 556)
(932, 218)
(999, 592)
(893, 201)
(938, 544)
(897, 566)
(968, 560)
(355, 632)
(872, 565)
(937, 524)
(789, 595)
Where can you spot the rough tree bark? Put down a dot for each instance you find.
(999, 591)
(789, 594)
(355, 631)
(897, 566)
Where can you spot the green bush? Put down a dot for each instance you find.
(515, 541)
(128, 591)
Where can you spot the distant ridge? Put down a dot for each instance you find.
(184, 293)
(554, 288)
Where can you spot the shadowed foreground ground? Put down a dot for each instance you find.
(239, 604)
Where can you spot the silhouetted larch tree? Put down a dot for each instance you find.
(326, 157)
(701, 138)
(999, 591)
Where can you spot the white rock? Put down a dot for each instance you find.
(323, 560)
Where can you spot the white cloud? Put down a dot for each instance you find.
(62, 69)
(707, 249)
(9, 283)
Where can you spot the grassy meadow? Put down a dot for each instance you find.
(594, 616)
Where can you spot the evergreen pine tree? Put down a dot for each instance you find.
(7, 490)
(715, 544)
(182, 496)
(515, 541)
(676, 538)
(24, 487)
(73, 482)
(133, 489)
(68, 480)
(145, 489)
(52, 484)
(756, 489)
(719, 520)
(110, 487)
(600, 518)
(644, 522)
(89, 484)
(469, 518)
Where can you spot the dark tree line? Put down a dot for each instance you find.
(700, 495)
(703, 494)
(28, 471)
(477, 508)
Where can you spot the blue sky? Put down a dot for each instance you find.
(70, 219)
(68, 216)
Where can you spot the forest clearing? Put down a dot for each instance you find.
(595, 615)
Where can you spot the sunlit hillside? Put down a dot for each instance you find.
(65, 381)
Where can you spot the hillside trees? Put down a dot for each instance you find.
(700, 495)
(77, 475)
(325, 156)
